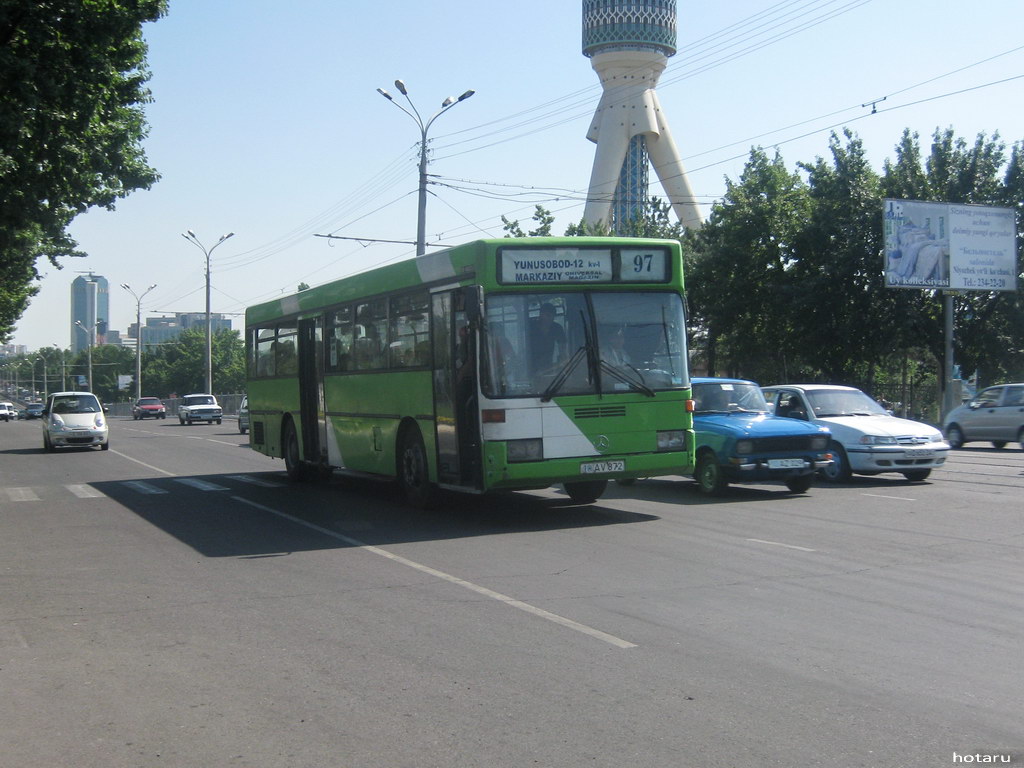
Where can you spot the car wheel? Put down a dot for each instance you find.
(800, 483)
(293, 464)
(414, 472)
(181, 419)
(218, 422)
(188, 421)
(47, 445)
(999, 444)
(955, 436)
(1020, 438)
(586, 491)
(241, 429)
(839, 470)
(917, 475)
(709, 475)
(105, 446)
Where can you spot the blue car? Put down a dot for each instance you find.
(739, 440)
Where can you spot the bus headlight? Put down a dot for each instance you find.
(672, 440)
(531, 449)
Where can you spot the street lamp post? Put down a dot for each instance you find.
(421, 218)
(138, 335)
(40, 359)
(90, 334)
(191, 237)
(63, 369)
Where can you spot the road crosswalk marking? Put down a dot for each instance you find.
(142, 487)
(22, 494)
(251, 480)
(202, 485)
(84, 491)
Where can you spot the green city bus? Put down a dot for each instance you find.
(498, 365)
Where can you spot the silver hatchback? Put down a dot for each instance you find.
(995, 414)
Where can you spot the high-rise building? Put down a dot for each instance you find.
(90, 306)
(629, 43)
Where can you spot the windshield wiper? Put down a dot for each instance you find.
(563, 374)
(616, 373)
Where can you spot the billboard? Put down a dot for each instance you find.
(948, 245)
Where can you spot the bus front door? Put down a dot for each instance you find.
(455, 392)
(311, 389)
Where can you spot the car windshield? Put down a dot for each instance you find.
(728, 397)
(149, 401)
(75, 404)
(544, 344)
(199, 400)
(843, 402)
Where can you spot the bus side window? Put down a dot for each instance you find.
(265, 352)
(286, 359)
(370, 336)
(410, 341)
(340, 340)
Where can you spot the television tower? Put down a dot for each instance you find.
(628, 43)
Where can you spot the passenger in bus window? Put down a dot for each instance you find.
(547, 340)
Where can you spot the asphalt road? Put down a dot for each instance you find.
(175, 602)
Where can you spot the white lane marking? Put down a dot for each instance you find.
(84, 491)
(780, 544)
(141, 487)
(22, 494)
(147, 466)
(254, 481)
(532, 609)
(202, 485)
(880, 496)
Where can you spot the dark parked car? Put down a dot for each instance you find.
(34, 411)
(739, 440)
(149, 407)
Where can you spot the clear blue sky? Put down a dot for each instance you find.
(266, 123)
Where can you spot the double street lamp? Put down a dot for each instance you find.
(189, 235)
(424, 126)
(138, 335)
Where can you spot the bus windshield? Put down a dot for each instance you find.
(540, 344)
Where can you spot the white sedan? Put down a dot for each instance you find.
(867, 439)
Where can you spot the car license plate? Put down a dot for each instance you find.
(785, 463)
(920, 453)
(602, 467)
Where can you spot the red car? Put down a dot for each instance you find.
(149, 406)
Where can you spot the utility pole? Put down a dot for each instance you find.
(421, 217)
(189, 235)
(138, 335)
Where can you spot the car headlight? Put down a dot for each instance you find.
(744, 447)
(531, 449)
(98, 421)
(56, 421)
(878, 440)
(819, 443)
(672, 440)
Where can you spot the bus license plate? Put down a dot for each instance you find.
(785, 463)
(602, 467)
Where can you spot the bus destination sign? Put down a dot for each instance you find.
(529, 266)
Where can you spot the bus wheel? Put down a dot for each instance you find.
(292, 462)
(413, 472)
(586, 491)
